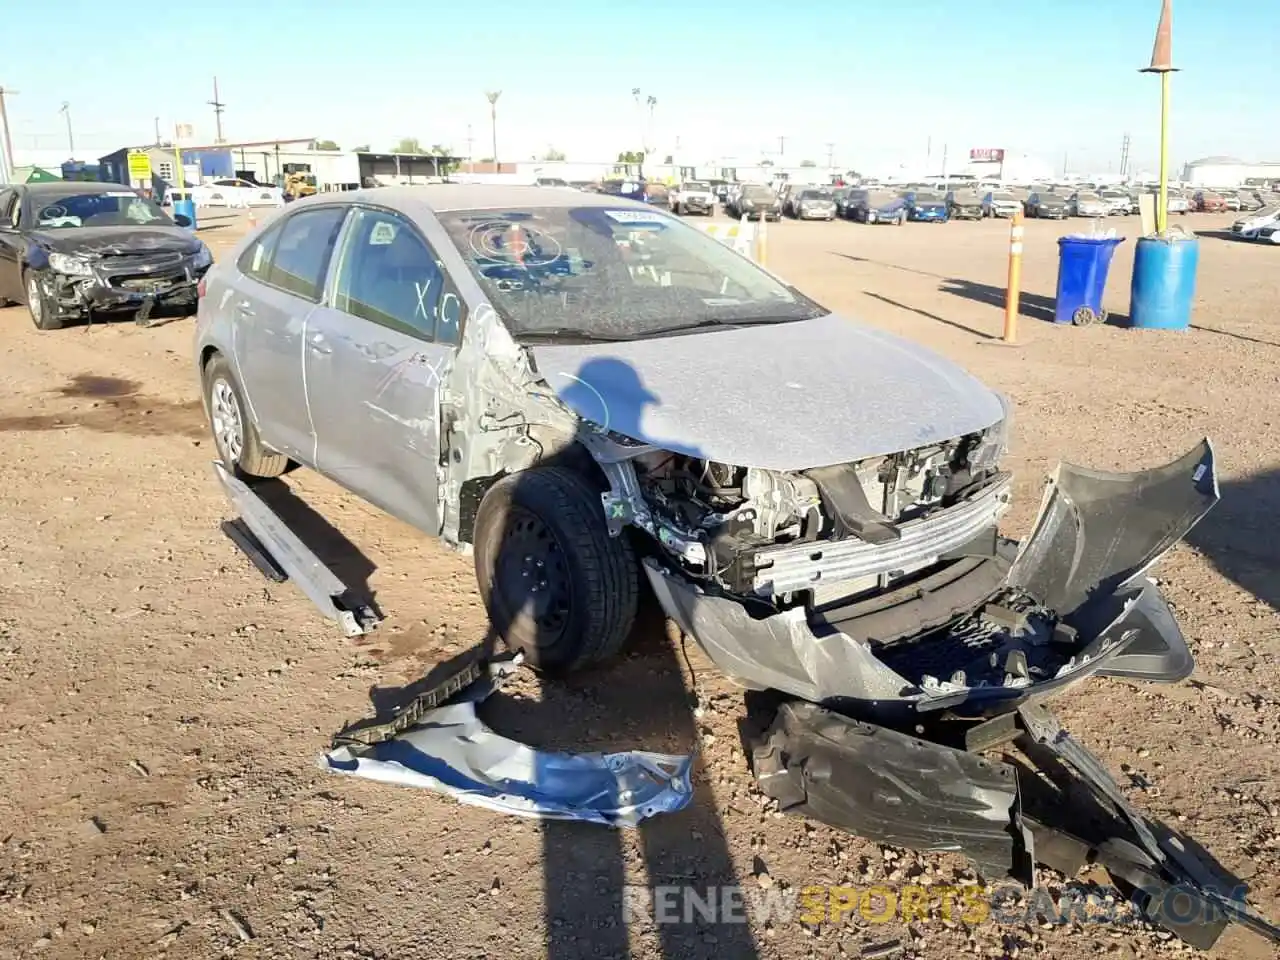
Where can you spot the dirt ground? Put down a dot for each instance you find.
(163, 706)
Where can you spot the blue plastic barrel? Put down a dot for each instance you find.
(1083, 264)
(187, 208)
(1164, 282)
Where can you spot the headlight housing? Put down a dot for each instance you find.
(69, 265)
(202, 257)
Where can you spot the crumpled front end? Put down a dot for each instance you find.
(983, 628)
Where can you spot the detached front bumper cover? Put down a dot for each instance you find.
(893, 788)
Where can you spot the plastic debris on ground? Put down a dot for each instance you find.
(448, 749)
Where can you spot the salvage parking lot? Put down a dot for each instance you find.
(164, 704)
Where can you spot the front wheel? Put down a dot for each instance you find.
(235, 435)
(40, 305)
(557, 587)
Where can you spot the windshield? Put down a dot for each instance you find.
(613, 274)
(924, 196)
(114, 208)
(696, 185)
(1086, 197)
(757, 191)
(1267, 212)
(815, 195)
(1002, 195)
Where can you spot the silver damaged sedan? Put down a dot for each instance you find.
(595, 397)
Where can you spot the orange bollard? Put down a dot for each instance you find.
(1015, 280)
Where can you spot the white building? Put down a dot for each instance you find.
(1227, 172)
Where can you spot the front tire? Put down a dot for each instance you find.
(40, 306)
(235, 436)
(557, 586)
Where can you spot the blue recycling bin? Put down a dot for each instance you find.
(1164, 282)
(187, 208)
(1083, 264)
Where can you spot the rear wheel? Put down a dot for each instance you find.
(234, 434)
(557, 586)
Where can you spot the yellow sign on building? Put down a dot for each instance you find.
(139, 165)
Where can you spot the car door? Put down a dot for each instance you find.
(374, 358)
(11, 244)
(271, 302)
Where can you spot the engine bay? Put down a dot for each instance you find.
(714, 518)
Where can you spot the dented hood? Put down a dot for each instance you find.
(783, 396)
(111, 241)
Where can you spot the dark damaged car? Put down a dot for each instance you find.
(74, 250)
(592, 396)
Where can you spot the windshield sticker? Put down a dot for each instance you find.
(122, 193)
(636, 216)
(721, 301)
(506, 241)
(382, 234)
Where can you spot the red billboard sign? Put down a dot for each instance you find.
(986, 155)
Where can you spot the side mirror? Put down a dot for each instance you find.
(182, 220)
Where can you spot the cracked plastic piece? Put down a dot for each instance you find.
(451, 751)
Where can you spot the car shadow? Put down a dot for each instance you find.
(1217, 235)
(636, 700)
(932, 316)
(348, 563)
(1233, 535)
(1034, 306)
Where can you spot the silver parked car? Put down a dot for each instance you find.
(587, 392)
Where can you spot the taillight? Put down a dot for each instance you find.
(200, 289)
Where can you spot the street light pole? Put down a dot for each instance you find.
(65, 110)
(1162, 63)
(6, 168)
(492, 96)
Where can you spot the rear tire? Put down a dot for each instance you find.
(557, 586)
(235, 436)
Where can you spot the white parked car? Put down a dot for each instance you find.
(1118, 201)
(234, 192)
(1085, 204)
(1250, 227)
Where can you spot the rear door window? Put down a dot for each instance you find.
(302, 253)
(256, 260)
(388, 275)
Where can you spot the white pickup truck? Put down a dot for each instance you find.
(693, 196)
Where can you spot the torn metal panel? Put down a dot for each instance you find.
(273, 541)
(451, 751)
(497, 417)
(892, 788)
(1097, 531)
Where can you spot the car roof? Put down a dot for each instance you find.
(444, 197)
(68, 187)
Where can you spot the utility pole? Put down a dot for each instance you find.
(1064, 164)
(218, 107)
(831, 152)
(471, 166)
(1124, 157)
(7, 143)
(944, 163)
(158, 136)
(492, 96)
(65, 110)
(782, 147)
(928, 153)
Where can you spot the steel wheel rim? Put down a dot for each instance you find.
(33, 298)
(228, 426)
(532, 574)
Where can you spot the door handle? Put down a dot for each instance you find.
(317, 344)
(244, 309)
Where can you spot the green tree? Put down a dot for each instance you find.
(766, 162)
(631, 156)
(326, 145)
(363, 148)
(408, 145)
(807, 163)
(553, 155)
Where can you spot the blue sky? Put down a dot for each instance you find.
(880, 80)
